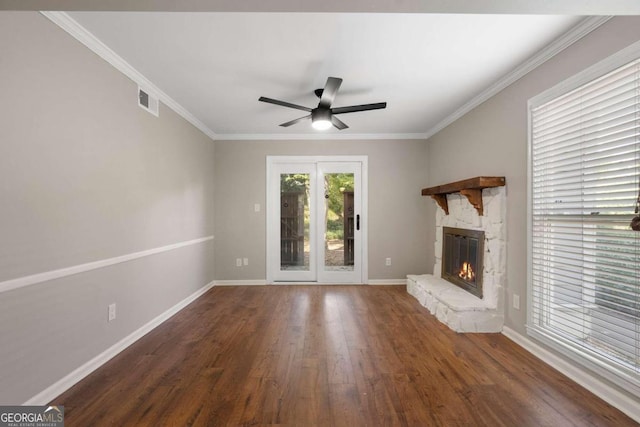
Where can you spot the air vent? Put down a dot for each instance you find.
(147, 102)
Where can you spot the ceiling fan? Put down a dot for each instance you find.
(323, 116)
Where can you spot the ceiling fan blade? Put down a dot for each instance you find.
(337, 123)
(354, 108)
(283, 104)
(293, 122)
(329, 92)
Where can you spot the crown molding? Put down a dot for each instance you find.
(317, 136)
(573, 35)
(71, 26)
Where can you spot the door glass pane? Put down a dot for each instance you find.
(339, 222)
(294, 221)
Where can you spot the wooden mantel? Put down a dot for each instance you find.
(470, 188)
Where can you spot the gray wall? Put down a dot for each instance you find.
(397, 211)
(492, 140)
(86, 175)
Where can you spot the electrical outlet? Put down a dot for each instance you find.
(516, 302)
(245, 261)
(256, 207)
(112, 312)
(387, 262)
(238, 262)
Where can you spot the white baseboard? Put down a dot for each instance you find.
(606, 392)
(313, 284)
(399, 282)
(240, 282)
(65, 383)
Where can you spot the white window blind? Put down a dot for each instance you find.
(584, 258)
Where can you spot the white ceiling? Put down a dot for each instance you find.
(431, 60)
(425, 66)
(554, 7)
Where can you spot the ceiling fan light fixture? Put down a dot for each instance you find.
(323, 116)
(321, 119)
(321, 124)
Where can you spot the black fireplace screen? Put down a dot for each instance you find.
(462, 252)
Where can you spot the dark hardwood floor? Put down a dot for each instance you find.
(326, 356)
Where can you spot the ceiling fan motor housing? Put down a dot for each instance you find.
(321, 114)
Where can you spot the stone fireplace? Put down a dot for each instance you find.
(470, 223)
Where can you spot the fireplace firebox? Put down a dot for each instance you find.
(462, 254)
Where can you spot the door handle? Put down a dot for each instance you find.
(357, 222)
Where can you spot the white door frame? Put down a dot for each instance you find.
(272, 233)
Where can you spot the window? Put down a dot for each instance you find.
(584, 259)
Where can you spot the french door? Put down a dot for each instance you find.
(315, 221)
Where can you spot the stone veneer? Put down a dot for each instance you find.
(457, 308)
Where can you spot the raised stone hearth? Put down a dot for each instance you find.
(454, 306)
(457, 308)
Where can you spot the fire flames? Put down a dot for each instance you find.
(466, 272)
